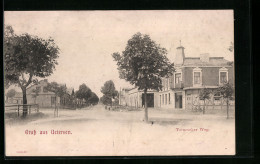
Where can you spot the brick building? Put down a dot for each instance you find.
(191, 75)
(181, 90)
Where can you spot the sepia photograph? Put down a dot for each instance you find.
(119, 83)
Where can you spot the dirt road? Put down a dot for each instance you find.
(96, 131)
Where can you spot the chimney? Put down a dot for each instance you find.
(179, 58)
(204, 57)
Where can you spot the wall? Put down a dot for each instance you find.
(161, 103)
(44, 98)
(210, 75)
(231, 75)
(187, 73)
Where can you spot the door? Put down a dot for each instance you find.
(178, 100)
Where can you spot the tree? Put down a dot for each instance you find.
(204, 95)
(105, 100)
(93, 100)
(109, 91)
(10, 94)
(59, 90)
(35, 94)
(27, 57)
(73, 98)
(143, 63)
(226, 91)
(84, 92)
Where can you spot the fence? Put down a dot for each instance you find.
(197, 104)
(19, 107)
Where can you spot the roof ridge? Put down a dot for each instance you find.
(216, 57)
(192, 58)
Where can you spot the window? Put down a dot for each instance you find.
(169, 98)
(223, 75)
(160, 100)
(38, 88)
(217, 96)
(196, 77)
(177, 78)
(45, 89)
(53, 99)
(165, 99)
(188, 97)
(163, 84)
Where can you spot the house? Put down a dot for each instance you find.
(17, 99)
(45, 98)
(181, 90)
(135, 98)
(123, 96)
(192, 74)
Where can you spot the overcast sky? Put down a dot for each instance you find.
(88, 38)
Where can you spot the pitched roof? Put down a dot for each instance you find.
(213, 61)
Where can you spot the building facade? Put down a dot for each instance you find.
(17, 99)
(192, 74)
(181, 90)
(135, 98)
(45, 98)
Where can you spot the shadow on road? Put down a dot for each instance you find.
(165, 122)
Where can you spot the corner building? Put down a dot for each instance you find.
(191, 75)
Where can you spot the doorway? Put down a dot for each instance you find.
(178, 100)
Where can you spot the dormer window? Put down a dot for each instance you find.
(223, 75)
(197, 76)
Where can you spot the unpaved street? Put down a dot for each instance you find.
(96, 131)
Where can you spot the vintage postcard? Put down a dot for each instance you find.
(119, 83)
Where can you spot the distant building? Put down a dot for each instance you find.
(17, 99)
(181, 90)
(123, 96)
(135, 98)
(45, 98)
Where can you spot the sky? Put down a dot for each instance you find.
(88, 38)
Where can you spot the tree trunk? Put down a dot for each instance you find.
(204, 107)
(24, 102)
(55, 108)
(145, 106)
(58, 110)
(227, 108)
(111, 103)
